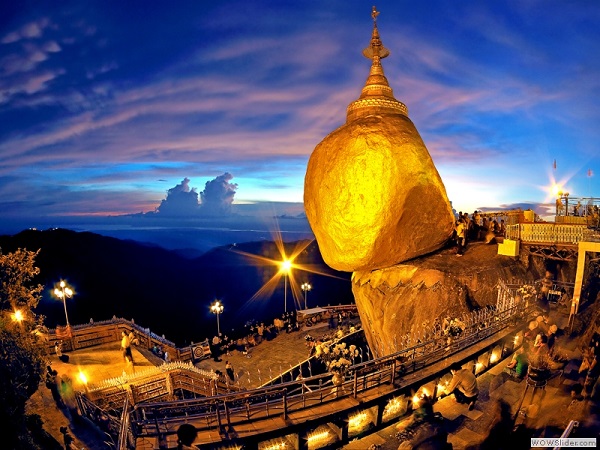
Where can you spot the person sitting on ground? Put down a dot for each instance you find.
(463, 385)
(186, 435)
(520, 361)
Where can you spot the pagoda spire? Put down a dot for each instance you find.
(377, 96)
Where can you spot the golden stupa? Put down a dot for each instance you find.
(372, 194)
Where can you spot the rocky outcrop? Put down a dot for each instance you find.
(373, 196)
(406, 298)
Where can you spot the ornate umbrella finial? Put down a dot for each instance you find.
(376, 50)
(374, 14)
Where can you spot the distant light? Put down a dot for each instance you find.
(286, 265)
(18, 316)
(556, 190)
(495, 357)
(217, 307)
(82, 377)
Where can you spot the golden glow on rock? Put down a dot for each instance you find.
(373, 196)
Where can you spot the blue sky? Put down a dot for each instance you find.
(105, 106)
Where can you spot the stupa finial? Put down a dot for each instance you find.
(376, 50)
(377, 96)
(374, 14)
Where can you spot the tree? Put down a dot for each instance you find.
(22, 353)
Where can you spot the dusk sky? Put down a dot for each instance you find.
(105, 106)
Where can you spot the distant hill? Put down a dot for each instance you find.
(164, 290)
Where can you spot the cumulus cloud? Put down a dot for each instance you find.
(180, 201)
(216, 198)
(218, 194)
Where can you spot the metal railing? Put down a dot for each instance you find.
(223, 411)
(550, 233)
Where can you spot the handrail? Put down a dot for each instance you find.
(320, 388)
(124, 428)
(568, 430)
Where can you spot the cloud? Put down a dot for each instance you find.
(28, 31)
(216, 199)
(180, 201)
(218, 194)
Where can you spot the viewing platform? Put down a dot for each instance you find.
(551, 409)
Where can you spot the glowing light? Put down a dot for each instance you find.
(17, 316)
(416, 399)
(63, 293)
(495, 357)
(556, 190)
(478, 367)
(321, 436)
(276, 446)
(516, 340)
(424, 393)
(358, 420)
(286, 266)
(217, 308)
(82, 377)
(393, 406)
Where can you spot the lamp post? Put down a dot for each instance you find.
(306, 287)
(62, 293)
(217, 308)
(286, 266)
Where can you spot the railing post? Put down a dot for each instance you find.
(355, 384)
(285, 404)
(393, 375)
(227, 416)
(218, 411)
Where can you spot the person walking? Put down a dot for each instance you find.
(229, 370)
(460, 237)
(126, 347)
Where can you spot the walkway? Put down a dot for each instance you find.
(466, 428)
(106, 361)
(549, 414)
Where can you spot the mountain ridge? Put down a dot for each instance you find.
(164, 291)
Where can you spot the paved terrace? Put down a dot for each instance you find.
(549, 414)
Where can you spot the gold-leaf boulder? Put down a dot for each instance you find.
(372, 194)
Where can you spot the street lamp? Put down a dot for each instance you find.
(62, 293)
(286, 267)
(306, 287)
(217, 308)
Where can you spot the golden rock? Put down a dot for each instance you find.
(372, 194)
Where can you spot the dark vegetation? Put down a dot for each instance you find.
(164, 291)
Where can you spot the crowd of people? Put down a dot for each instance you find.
(255, 333)
(477, 227)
